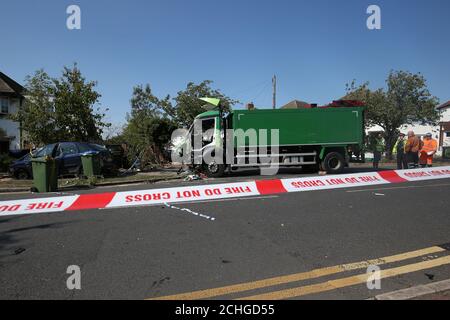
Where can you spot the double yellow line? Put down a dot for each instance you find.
(320, 287)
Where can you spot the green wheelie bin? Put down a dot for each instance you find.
(45, 175)
(91, 164)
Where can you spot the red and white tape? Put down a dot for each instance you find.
(216, 191)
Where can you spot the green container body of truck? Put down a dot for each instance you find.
(321, 138)
(325, 126)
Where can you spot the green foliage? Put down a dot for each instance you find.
(188, 105)
(148, 126)
(144, 100)
(146, 130)
(406, 100)
(116, 139)
(64, 109)
(37, 114)
(76, 116)
(5, 161)
(152, 120)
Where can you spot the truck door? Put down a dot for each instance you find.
(202, 137)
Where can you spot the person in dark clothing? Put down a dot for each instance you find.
(378, 149)
(399, 149)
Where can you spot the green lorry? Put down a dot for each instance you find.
(314, 138)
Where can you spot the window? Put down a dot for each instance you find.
(4, 105)
(208, 124)
(208, 130)
(46, 151)
(90, 147)
(97, 147)
(447, 134)
(83, 148)
(67, 149)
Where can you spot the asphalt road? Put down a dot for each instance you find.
(157, 251)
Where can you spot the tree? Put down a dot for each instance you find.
(148, 127)
(145, 131)
(152, 120)
(77, 114)
(37, 114)
(406, 100)
(144, 100)
(188, 105)
(60, 109)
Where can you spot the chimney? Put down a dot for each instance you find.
(250, 106)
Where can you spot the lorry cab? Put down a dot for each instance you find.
(204, 134)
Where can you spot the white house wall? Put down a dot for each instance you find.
(446, 115)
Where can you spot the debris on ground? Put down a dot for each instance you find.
(429, 276)
(185, 172)
(192, 177)
(19, 251)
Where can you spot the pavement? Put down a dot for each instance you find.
(433, 291)
(9, 185)
(444, 295)
(312, 245)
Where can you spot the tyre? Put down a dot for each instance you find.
(214, 170)
(333, 162)
(22, 175)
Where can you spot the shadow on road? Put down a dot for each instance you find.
(10, 238)
(299, 171)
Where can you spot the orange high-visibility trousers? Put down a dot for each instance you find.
(425, 159)
(429, 145)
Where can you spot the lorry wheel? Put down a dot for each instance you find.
(214, 170)
(333, 162)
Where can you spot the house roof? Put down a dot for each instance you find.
(444, 106)
(296, 104)
(9, 87)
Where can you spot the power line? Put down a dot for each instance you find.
(274, 88)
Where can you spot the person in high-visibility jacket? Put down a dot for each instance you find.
(428, 151)
(378, 149)
(412, 148)
(399, 150)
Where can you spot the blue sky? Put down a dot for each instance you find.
(314, 47)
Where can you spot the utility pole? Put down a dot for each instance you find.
(274, 84)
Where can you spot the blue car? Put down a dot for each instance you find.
(67, 156)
